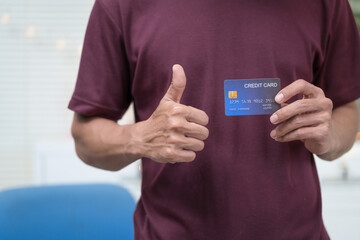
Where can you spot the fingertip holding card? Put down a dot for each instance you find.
(279, 97)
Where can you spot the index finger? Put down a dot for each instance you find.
(197, 116)
(298, 87)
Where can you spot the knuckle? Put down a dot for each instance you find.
(284, 114)
(328, 126)
(326, 117)
(200, 146)
(172, 139)
(201, 133)
(297, 121)
(191, 157)
(281, 139)
(304, 105)
(177, 110)
(168, 154)
(174, 123)
(187, 110)
(280, 130)
(320, 91)
(206, 133)
(326, 104)
(299, 133)
(322, 132)
(329, 103)
(319, 135)
(325, 130)
(303, 82)
(283, 129)
(206, 118)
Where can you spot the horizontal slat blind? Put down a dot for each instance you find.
(40, 45)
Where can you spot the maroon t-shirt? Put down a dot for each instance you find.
(243, 185)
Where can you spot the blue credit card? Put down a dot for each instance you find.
(251, 96)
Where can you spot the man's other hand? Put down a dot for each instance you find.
(174, 132)
(308, 119)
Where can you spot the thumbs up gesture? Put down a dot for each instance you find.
(174, 132)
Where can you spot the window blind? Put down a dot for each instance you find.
(40, 47)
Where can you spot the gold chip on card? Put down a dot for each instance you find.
(232, 94)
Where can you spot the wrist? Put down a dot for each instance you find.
(135, 146)
(334, 147)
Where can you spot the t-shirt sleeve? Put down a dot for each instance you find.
(339, 75)
(103, 83)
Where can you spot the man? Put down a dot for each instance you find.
(239, 177)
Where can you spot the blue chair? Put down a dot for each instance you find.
(79, 212)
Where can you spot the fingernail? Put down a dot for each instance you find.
(279, 97)
(273, 118)
(273, 133)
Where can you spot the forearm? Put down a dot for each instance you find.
(344, 128)
(103, 143)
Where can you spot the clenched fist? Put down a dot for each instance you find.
(174, 132)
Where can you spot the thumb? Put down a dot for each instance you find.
(178, 84)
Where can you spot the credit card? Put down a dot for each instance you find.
(251, 96)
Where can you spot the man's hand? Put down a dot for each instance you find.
(308, 119)
(174, 132)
